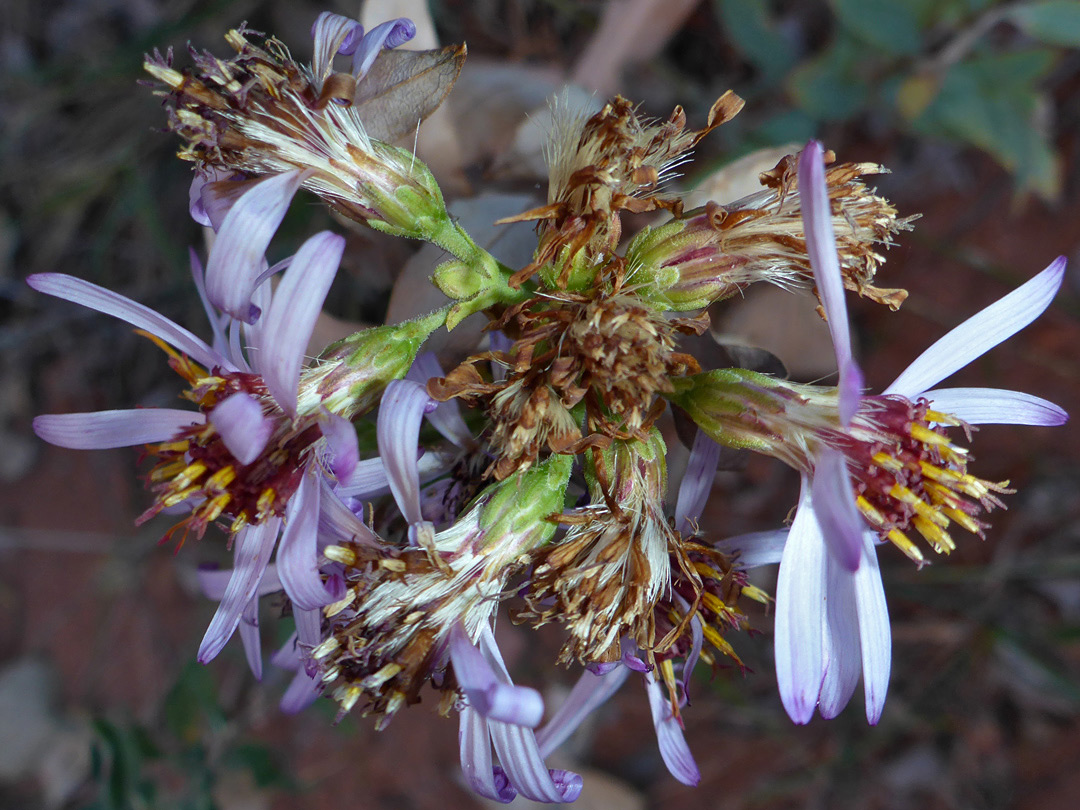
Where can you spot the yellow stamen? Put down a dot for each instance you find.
(935, 535)
(213, 508)
(266, 500)
(168, 471)
(221, 479)
(755, 593)
(340, 554)
(191, 474)
(902, 542)
(963, 519)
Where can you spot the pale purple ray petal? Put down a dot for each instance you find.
(297, 558)
(446, 418)
(199, 192)
(589, 693)
(253, 334)
(996, 406)
(237, 256)
(821, 247)
(875, 633)
(404, 404)
(240, 421)
(673, 748)
(308, 630)
(756, 548)
(476, 763)
(333, 34)
(217, 320)
(800, 614)
(287, 655)
(341, 439)
(99, 430)
(297, 303)
(337, 520)
(249, 636)
(981, 332)
(368, 480)
(487, 693)
(843, 654)
(849, 391)
(834, 506)
(301, 693)
(499, 342)
(213, 581)
(697, 481)
(253, 546)
(389, 34)
(118, 306)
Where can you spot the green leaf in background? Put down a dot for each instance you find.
(886, 24)
(832, 86)
(749, 27)
(991, 102)
(1055, 21)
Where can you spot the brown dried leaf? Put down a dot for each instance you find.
(405, 87)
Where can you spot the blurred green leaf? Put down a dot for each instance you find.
(750, 29)
(260, 761)
(192, 704)
(991, 102)
(831, 87)
(886, 24)
(1055, 21)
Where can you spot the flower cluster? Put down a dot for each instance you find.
(541, 491)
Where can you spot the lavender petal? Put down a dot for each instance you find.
(834, 506)
(490, 695)
(249, 635)
(843, 661)
(981, 332)
(800, 614)
(301, 693)
(100, 430)
(297, 558)
(476, 763)
(240, 421)
(875, 633)
(253, 546)
(118, 306)
(589, 693)
(296, 304)
(389, 34)
(340, 437)
(446, 418)
(333, 34)
(673, 748)
(404, 404)
(756, 548)
(213, 581)
(238, 253)
(996, 406)
(697, 481)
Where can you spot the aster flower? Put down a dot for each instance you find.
(248, 455)
(831, 616)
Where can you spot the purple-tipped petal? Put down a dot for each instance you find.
(389, 34)
(981, 332)
(217, 320)
(800, 614)
(403, 406)
(476, 763)
(821, 247)
(834, 506)
(875, 634)
(756, 548)
(589, 693)
(297, 558)
(446, 418)
(249, 636)
(333, 34)
(240, 421)
(297, 303)
(520, 759)
(308, 630)
(368, 480)
(253, 546)
(843, 653)
(118, 306)
(100, 430)
(996, 406)
(488, 694)
(338, 521)
(849, 391)
(237, 256)
(697, 639)
(673, 748)
(697, 481)
(341, 439)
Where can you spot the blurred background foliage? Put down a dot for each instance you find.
(935, 89)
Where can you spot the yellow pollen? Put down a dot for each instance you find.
(935, 535)
(963, 519)
(942, 418)
(325, 648)
(716, 604)
(266, 500)
(755, 593)
(239, 522)
(171, 447)
(925, 435)
(712, 635)
(348, 697)
(377, 679)
(887, 462)
(870, 512)
(334, 608)
(921, 507)
(167, 472)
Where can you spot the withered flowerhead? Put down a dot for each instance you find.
(612, 163)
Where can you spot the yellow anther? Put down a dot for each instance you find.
(755, 593)
(942, 418)
(377, 679)
(324, 649)
(167, 471)
(902, 542)
(334, 608)
(349, 696)
(171, 447)
(712, 635)
(887, 462)
(239, 522)
(213, 508)
(963, 519)
(927, 436)
(870, 512)
(707, 570)
(935, 535)
(173, 498)
(190, 474)
(221, 479)
(330, 674)
(715, 604)
(340, 554)
(266, 500)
